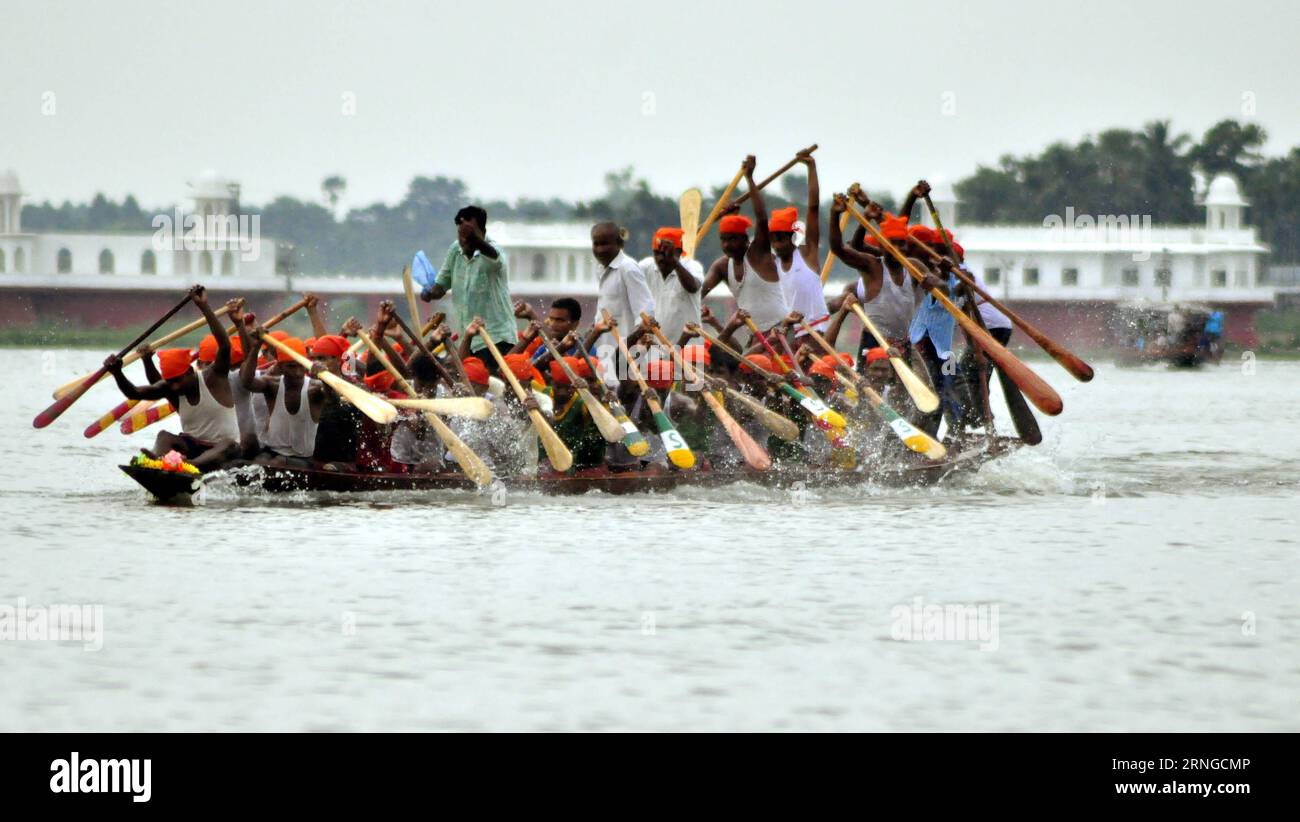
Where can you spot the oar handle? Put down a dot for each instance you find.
(782, 170)
(718, 206)
(627, 356)
(776, 358)
(501, 365)
(418, 339)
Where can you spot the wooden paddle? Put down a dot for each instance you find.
(913, 437)
(1039, 392)
(556, 451)
(470, 463)
(609, 427)
(782, 170)
(779, 424)
(411, 303)
(106, 422)
(147, 414)
(418, 339)
(374, 407)
(633, 440)
(924, 398)
(717, 207)
(823, 415)
(688, 211)
(1077, 367)
(62, 404)
(754, 454)
(679, 453)
(830, 256)
(474, 408)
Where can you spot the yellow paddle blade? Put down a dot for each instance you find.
(639, 448)
(833, 418)
(682, 458)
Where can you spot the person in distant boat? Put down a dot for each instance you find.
(475, 271)
(674, 282)
(800, 266)
(748, 268)
(295, 404)
(202, 398)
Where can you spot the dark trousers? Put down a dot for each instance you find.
(944, 378)
(969, 369)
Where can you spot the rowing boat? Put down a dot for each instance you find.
(173, 487)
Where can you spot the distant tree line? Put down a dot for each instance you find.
(1116, 172)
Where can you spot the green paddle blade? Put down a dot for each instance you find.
(679, 453)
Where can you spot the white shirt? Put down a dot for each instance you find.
(675, 307)
(624, 292)
(804, 291)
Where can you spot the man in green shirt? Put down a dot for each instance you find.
(475, 272)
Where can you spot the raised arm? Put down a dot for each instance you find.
(199, 296)
(248, 368)
(717, 273)
(312, 303)
(150, 369)
(812, 221)
(918, 191)
(155, 391)
(860, 260)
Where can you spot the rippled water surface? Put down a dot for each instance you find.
(1143, 564)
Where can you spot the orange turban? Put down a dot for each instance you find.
(894, 229)
(380, 381)
(331, 345)
(734, 224)
(961, 252)
(520, 366)
(924, 234)
(236, 351)
(279, 335)
(173, 362)
(874, 354)
(672, 235)
(758, 362)
(783, 219)
(659, 373)
(475, 370)
(293, 344)
(310, 344)
(208, 349)
(578, 366)
(825, 367)
(696, 355)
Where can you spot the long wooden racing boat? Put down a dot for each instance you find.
(173, 487)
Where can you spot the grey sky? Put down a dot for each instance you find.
(542, 99)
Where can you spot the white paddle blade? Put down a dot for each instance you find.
(475, 408)
(376, 408)
(924, 399)
(609, 427)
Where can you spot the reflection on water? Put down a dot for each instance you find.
(1142, 561)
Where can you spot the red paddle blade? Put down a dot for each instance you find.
(52, 413)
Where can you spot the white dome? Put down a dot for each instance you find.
(210, 184)
(9, 182)
(941, 191)
(1224, 191)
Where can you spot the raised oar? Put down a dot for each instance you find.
(754, 454)
(62, 404)
(924, 398)
(609, 427)
(1039, 392)
(470, 463)
(374, 407)
(718, 206)
(823, 415)
(106, 422)
(688, 211)
(412, 305)
(830, 256)
(913, 437)
(679, 453)
(1077, 367)
(782, 170)
(556, 451)
(146, 415)
(633, 440)
(474, 408)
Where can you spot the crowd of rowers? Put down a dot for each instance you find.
(240, 398)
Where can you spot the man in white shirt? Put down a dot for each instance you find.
(624, 292)
(674, 282)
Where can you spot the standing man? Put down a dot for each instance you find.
(799, 266)
(623, 291)
(475, 272)
(674, 283)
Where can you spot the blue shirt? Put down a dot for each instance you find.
(933, 320)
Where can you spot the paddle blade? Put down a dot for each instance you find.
(1021, 415)
(679, 453)
(609, 427)
(105, 422)
(754, 454)
(633, 440)
(146, 416)
(779, 425)
(556, 451)
(376, 408)
(688, 208)
(913, 437)
(923, 398)
(821, 411)
(408, 285)
(475, 408)
(470, 463)
(62, 404)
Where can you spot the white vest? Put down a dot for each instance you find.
(208, 419)
(803, 290)
(291, 435)
(765, 302)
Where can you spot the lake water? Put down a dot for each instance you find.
(1136, 571)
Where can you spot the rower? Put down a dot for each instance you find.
(563, 316)
(295, 403)
(209, 425)
(674, 282)
(243, 400)
(799, 265)
(573, 422)
(475, 271)
(886, 292)
(747, 267)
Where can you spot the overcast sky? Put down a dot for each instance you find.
(542, 99)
